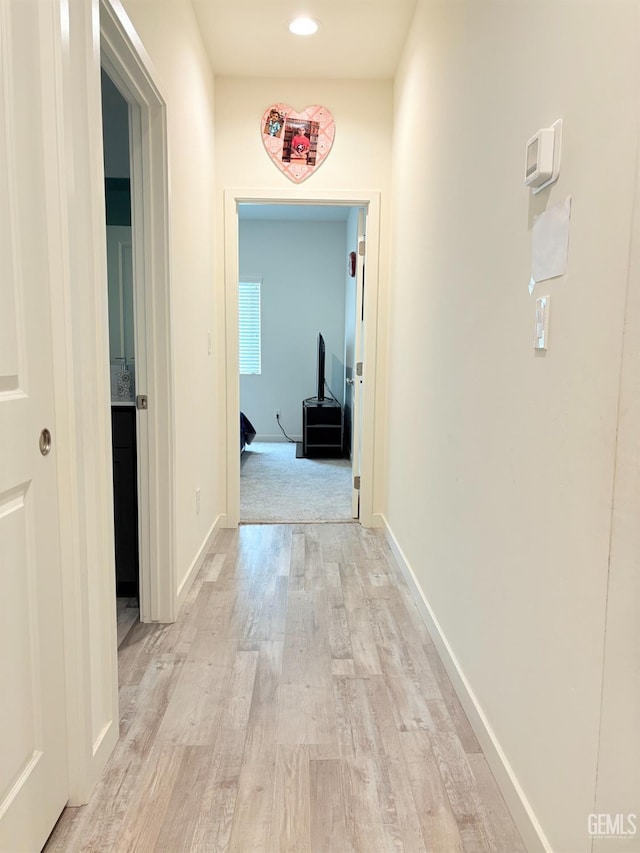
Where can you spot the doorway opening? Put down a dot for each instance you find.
(122, 355)
(349, 366)
(297, 330)
(128, 67)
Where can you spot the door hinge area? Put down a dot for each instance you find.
(356, 483)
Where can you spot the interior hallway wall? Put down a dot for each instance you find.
(170, 35)
(500, 459)
(359, 160)
(301, 265)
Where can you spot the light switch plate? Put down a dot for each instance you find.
(542, 323)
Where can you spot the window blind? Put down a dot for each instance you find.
(249, 326)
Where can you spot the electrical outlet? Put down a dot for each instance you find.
(197, 501)
(277, 413)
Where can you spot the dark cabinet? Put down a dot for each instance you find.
(322, 429)
(125, 499)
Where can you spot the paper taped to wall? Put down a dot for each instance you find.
(550, 243)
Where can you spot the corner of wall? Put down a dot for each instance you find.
(185, 585)
(520, 808)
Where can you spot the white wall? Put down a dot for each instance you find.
(171, 37)
(359, 160)
(510, 454)
(618, 782)
(303, 291)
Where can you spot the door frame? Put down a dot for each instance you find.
(125, 60)
(356, 381)
(79, 319)
(370, 201)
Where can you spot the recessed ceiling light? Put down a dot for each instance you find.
(303, 27)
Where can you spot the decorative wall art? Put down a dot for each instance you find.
(297, 142)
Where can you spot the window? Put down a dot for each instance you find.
(249, 325)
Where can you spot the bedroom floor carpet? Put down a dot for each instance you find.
(277, 487)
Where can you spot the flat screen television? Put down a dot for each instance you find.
(320, 367)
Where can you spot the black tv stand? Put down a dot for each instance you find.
(322, 428)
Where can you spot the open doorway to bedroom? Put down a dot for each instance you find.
(357, 379)
(297, 325)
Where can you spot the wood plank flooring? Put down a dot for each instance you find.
(296, 706)
(128, 614)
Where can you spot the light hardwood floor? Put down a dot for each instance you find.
(128, 615)
(296, 706)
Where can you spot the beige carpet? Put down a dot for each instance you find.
(277, 487)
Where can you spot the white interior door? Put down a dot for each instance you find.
(33, 743)
(358, 369)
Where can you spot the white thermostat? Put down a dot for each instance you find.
(542, 162)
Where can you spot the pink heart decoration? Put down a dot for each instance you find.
(297, 142)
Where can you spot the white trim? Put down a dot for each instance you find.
(104, 737)
(196, 565)
(81, 384)
(521, 810)
(72, 115)
(370, 201)
(128, 65)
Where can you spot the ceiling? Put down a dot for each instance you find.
(357, 39)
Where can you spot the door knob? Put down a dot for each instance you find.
(45, 441)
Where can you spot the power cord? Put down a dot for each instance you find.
(292, 440)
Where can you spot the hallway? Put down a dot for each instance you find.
(297, 704)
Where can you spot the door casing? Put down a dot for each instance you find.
(370, 201)
(124, 59)
(101, 32)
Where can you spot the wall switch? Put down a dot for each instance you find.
(197, 501)
(542, 323)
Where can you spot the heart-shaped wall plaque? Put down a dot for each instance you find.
(297, 142)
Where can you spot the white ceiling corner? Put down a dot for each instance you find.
(358, 39)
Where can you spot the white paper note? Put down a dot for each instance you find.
(550, 243)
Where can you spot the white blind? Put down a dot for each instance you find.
(249, 326)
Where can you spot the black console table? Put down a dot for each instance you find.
(322, 428)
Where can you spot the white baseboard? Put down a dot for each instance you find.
(185, 586)
(523, 815)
